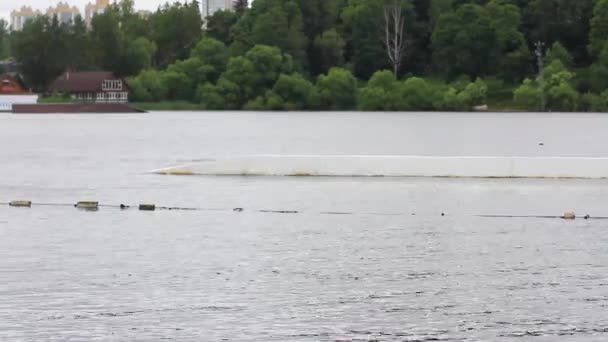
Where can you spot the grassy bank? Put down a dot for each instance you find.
(168, 106)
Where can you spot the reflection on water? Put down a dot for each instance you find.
(254, 276)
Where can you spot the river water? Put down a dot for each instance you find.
(389, 267)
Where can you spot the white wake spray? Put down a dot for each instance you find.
(396, 166)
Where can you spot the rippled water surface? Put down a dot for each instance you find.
(363, 259)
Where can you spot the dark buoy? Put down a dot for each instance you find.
(87, 205)
(442, 214)
(21, 204)
(237, 210)
(587, 217)
(147, 207)
(541, 144)
(123, 207)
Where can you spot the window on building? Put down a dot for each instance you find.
(112, 85)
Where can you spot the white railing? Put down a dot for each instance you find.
(6, 107)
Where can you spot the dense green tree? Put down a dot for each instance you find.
(527, 95)
(211, 97)
(328, 52)
(598, 75)
(380, 93)
(4, 39)
(213, 54)
(565, 21)
(148, 86)
(134, 57)
(107, 39)
(415, 94)
(337, 90)
(40, 61)
(241, 6)
(246, 58)
(175, 30)
(290, 92)
(276, 23)
(558, 52)
(599, 28)
(179, 86)
(219, 25)
(477, 40)
(561, 95)
(363, 21)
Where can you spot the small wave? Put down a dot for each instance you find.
(396, 166)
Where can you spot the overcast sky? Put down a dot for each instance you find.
(6, 6)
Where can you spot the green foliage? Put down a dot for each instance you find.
(599, 28)
(557, 88)
(290, 92)
(475, 93)
(4, 39)
(175, 30)
(452, 100)
(276, 23)
(219, 26)
(210, 96)
(527, 96)
(558, 52)
(562, 97)
(247, 58)
(415, 95)
(597, 77)
(55, 98)
(363, 20)
(480, 40)
(39, 48)
(148, 87)
(566, 21)
(328, 51)
(591, 102)
(380, 92)
(337, 90)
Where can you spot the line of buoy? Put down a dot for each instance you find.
(95, 206)
(566, 216)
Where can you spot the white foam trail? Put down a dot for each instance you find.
(397, 166)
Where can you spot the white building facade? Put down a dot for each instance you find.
(209, 7)
(20, 17)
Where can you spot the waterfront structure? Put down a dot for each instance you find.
(13, 91)
(65, 13)
(92, 86)
(209, 7)
(21, 16)
(91, 9)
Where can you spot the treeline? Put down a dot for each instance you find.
(333, 54)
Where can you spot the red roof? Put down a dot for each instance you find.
(75, 82)
(12, 85)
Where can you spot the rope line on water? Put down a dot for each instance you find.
(95, 206)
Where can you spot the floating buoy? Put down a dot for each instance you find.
(237, 210)
(147, 207)
(587, 217)
(124, 206)
(21, 204)
(87, 205)
(569, 216)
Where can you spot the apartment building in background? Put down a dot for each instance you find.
(209, 7)
(21, 16)
(91, 9)
(64, 12)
